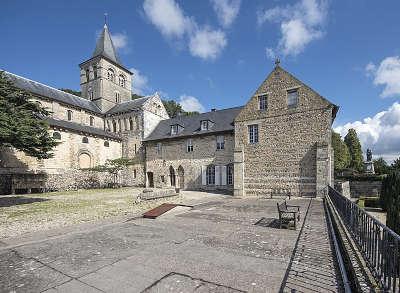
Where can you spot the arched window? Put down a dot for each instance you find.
(69, 115)
(108, 125)
(229, 174)
(94, 71)
(119, 125)
(114, 124)
(106, 144)
(85, 161)
(87, 74)
(110, 74)
(137, 122)
(210, 175)
(91, 120)
(90, 91)
(122, 80)
(130, 124)
(85, 139)
(125, 125)
(56, 135)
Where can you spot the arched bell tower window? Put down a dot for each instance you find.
(94, 71)
(110, 74)
(87, 74)
(130, 124)
(122, 80)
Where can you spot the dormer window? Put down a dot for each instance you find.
(174, 129)
(204, 125)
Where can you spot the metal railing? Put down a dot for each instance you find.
(379, 245)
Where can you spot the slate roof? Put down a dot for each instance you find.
(81, 128)
(222, 121)
(128, 106)
(105, 46)
(51, 93)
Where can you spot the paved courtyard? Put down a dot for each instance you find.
(213, 247)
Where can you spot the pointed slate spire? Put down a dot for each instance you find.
(105, 46)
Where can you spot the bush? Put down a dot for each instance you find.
(390, 200)
(369, 202)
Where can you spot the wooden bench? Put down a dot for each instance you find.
(288, 213)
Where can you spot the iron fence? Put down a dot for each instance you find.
(378, 244)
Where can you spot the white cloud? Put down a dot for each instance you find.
(381, 133)
(300, 24)
(139, 82)
(226, 10)
(168, 17)
(207, 43)
(387, 74)
(270, 53)
(120, 40)
(191, 104)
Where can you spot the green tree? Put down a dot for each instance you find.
(113, 167)
(22, 122)
(341, 152)
(173, 108)
(396, 164)
(390, 200)
(354, 146)
(381, 166)
(135, 96)
(73, 92)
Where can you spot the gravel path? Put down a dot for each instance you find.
(20, 214)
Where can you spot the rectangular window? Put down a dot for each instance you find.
(229, 171)
(174, 129)
(204, 125)
(189, 145)
(293, 98)
(263, 102)
(210, 175)
(134, 173)
(220, 142)
(91, 120)
(159, 148)
(253, 133)
(69, 115)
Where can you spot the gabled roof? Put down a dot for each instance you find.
(105, 46)
(223, 121)
(128, 106)
(81, 128)
(51, 93)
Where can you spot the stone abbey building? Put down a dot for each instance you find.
(279, 142)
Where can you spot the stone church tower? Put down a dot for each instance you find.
(104, 80)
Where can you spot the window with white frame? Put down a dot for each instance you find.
(292, 98)
(263, 102)
(253, 133)
(189, 145)
(174, 129)
(229, 174)
(159, 148)
(220, 142)
(204, 125)
(210, 175)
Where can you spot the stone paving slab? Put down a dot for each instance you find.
(214, 247)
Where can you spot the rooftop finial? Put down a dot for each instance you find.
(277, 61)
(105, 18)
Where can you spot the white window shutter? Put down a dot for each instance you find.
(203, 175)
(223, 175)
(217, 175)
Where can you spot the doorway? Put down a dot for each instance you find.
(150, 180)
(172, 176)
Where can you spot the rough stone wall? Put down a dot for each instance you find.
(153, 112)
(343, 187)
(174, 153)
(285, 156)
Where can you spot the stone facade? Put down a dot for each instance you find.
(293, 152)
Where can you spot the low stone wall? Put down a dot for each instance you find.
(356, 189)
(365, 188)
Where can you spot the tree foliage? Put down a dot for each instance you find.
(390, 200)
(341, 152)
(73, 92)
(396, 164)
(354, 146)
(22, 122)
(381, 166)
(174, 109)
(113, 167)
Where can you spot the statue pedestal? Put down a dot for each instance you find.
(369, 167)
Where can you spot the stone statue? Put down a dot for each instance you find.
(369, 155)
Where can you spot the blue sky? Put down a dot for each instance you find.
(215, 53)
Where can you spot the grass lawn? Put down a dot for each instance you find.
(21, 214)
